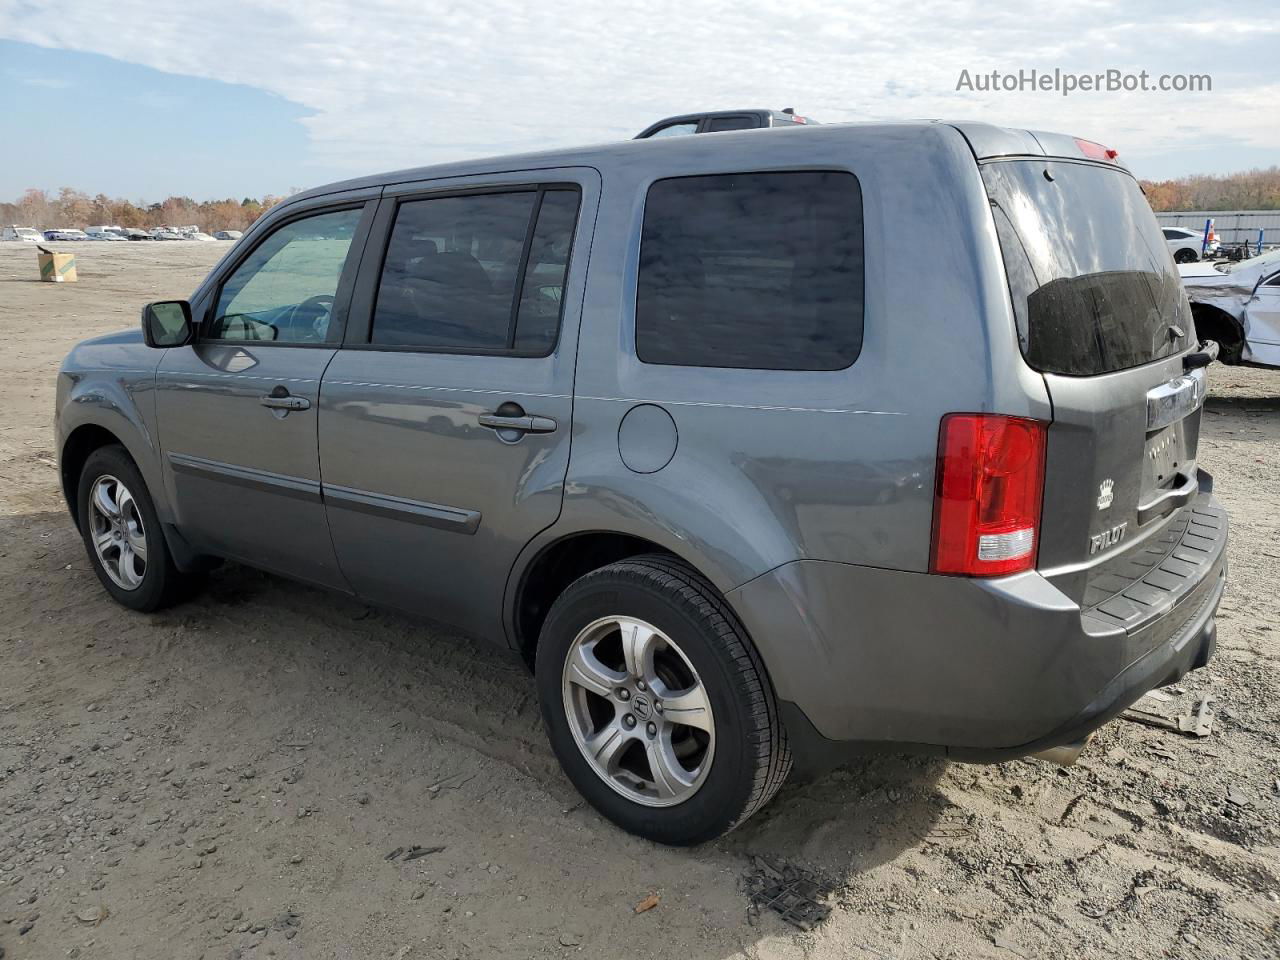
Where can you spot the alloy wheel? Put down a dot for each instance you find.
(638, 711)
(117, 532)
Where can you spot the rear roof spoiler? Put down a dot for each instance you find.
(988, 142)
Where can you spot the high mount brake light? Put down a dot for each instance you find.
(989, 487)
(1096, 151)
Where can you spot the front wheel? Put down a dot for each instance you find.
(656, 704)
(1186, 255)
(122, 534)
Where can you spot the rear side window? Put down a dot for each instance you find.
(720, 124)
(760, 271)
(1093, 284)
(480, 273)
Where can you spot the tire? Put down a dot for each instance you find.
(1186, 255)
(701, 655)
(158, 582)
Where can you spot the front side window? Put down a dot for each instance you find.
(675, 130)
(480, 273)
(760, 271)
(284, 290)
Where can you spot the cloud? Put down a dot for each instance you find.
(392, 83)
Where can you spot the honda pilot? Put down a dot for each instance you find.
(750, 477)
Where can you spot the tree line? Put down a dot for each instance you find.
(1256, 189)
(74, 208)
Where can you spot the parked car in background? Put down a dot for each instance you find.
(199, 235)
(134, 233)
(24, 234)
(1238, 305)
(721, 121)
(228, 235)
(1185, 244)
(168, 233)
(648, 415)
(65, 234)
(104, 233)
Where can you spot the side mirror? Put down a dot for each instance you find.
(167, 323)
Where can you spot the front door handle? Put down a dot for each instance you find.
(286, 402)
(523, 424)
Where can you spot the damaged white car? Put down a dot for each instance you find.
(1238, 305)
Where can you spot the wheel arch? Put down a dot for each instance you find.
(76, 450)
(548, 566)
(1214, 323)
(94, 412)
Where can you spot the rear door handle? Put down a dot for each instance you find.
(524, 424)
(287, 402)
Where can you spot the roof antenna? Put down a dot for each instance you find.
(789, 110)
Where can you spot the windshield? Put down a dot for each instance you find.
(1093, 284)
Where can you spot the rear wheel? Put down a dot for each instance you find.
(122, 534)
(1185, 255)
(656, 704)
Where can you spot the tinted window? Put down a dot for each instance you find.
(1094, 287)
(720, 124)
(538, 320)
(454, 266)
(676, 130)
(754, 270)
(284, 290)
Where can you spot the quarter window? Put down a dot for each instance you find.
(284, 290)
(754, 270)
(477, 273)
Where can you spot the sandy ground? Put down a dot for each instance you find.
(226, 779)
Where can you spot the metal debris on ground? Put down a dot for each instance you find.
(1198, 723)
(411, 853)
(794, 894)
(416, 851)
(1237, 797)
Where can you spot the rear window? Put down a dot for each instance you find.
(1093, 284)
(760, 271)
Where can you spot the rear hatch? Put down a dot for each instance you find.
(1102, 314)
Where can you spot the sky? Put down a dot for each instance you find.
(228, 98)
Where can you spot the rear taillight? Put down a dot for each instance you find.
(990, 481)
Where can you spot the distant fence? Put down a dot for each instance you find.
(1231, 226)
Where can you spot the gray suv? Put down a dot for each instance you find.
(761, 449)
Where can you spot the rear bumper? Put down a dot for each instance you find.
(864, 659)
